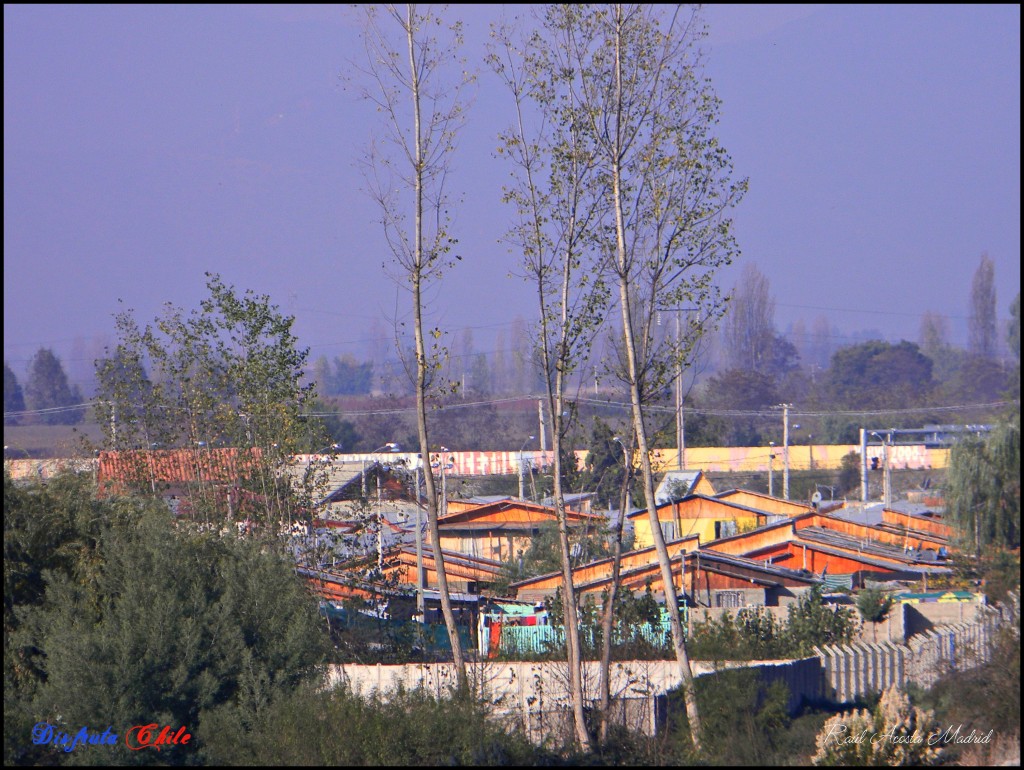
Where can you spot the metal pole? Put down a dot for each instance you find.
(522, 469)
(785, 450)
(888, 499)
(863, 465)
(771, 469)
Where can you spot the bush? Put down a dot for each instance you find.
(895, 733)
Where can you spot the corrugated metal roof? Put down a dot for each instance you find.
(675, 485)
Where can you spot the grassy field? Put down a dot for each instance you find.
(37, 441)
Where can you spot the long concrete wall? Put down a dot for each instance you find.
(864, 668)
(536, 695)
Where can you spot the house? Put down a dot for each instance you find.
(828, 546)
(599, 570)
(763, 502)
(503, 529)
(200, 480)
(708, 517)
(385, 600)
(336, 485)
(577, 501)
(916, 519)
(160, 470)
(676, 485)
(465, 573)
(702, 578)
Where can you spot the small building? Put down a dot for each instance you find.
(542, 586)
(702, 577)
(709, 518)
(502, 530)
(675, 485)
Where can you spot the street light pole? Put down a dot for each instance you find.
(886, 474)
(771, 469)
(887, 464)
(785, 450)
(391, 446)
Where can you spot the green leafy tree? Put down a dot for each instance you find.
(14, 399)
(554, 196)
(1013, 331)
(753, 344)
(343, 376)
(812, 622)
(983, 488)
(324, 421)
(1013, 341)
(849, 473)
(972, 380)
(742, 390)
(604, 466)
(48, 392)
(981, 323)
(115, 615)
(874, 605)
(877, 375)
(228, 374)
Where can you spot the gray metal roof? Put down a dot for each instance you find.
(675, 485)
(873, 548)
(916, 509)
(868, 513)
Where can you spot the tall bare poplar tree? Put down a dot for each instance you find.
(650, 112)
(750, 323)
(422, 113)
(982, 320)
(557, 201)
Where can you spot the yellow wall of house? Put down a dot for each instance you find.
(768, 505)
(485, 546)
(703, 527)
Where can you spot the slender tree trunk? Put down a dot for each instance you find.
(556, 402)
(608, 617)
(421, 371)
(643, 447)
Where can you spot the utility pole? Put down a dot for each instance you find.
(863, 465)
(887, 463)
(522, 468)
(785, 450)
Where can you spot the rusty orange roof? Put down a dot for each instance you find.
(509, 511)
(174, 466)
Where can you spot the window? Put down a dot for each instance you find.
(730, 599)
(668, 530)
(725, 528)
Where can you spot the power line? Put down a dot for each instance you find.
(738, 413)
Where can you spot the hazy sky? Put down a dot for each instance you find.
(145, 145)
